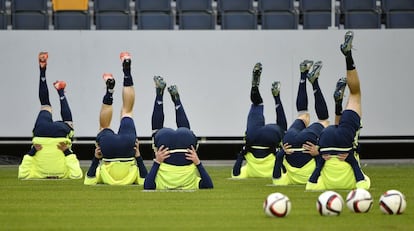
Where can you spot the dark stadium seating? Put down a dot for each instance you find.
(112, 14)
(398, 13)
(3, 15)
(237, 15)
(360, 14)
(195, 14)
(30, 15)
(316, 14)
(278, 14)
(154, 15)
(71, 15)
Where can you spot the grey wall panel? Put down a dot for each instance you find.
(212, 70)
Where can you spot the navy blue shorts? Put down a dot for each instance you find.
(342, 135)
(182, 138)
(46, 127)
(118, 145)
(298, 134)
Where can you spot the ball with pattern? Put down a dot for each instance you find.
(277, 205)
(392, 202)
(329, 203)
(359, 200)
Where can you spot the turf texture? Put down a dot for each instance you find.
(231, 205)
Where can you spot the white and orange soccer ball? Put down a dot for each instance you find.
(277, 205)
(359, 200)
(392, 202)
(329, 203)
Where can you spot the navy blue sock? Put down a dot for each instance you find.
(320, 104)
(128, 78)
(302, 98)
(255, 96)
(157, 119)
(108, 97)
(350, 65)
(180, 116)
(280, 113)
(338, 108)
(43, 90)
(64, 106)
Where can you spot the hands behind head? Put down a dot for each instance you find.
(98, 153)
(192, 155)
(311, 148)
(163, 153)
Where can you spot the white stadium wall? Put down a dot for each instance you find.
(212, 70)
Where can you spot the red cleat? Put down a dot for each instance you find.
(59, 85)
(43, 59)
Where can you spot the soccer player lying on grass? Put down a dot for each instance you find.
(295, 161)
(262, 140)
(176, 164)
(338, 144)
(51, 155)
(117, 160)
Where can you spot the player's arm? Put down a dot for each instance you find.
(277, 169)
(161, 154)
(205, 181)
(143, 172)
(239, 161)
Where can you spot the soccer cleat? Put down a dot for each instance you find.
(43, 59)
(347, 45)
(126, 60)
(339, 90)
(159, 82)
(305, 65)
(109, 81)
(314, 74)
(275, 88)
(257, 71)
(174, 92)
(59, 85)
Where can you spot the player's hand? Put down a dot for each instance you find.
(98, 153)
(326, 156)
(161, 154)
(62, 146)
(192, 155)
(38, 147)
(342, 156)
(310, 148)
(287, 148)
(137, 152)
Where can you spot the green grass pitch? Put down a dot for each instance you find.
(231, 205)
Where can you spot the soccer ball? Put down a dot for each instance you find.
(359, 200)
(277, 205)
(329, 203)
(392, 202)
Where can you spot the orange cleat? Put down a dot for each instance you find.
(124, 55)
(59, 85)
(43, 59)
